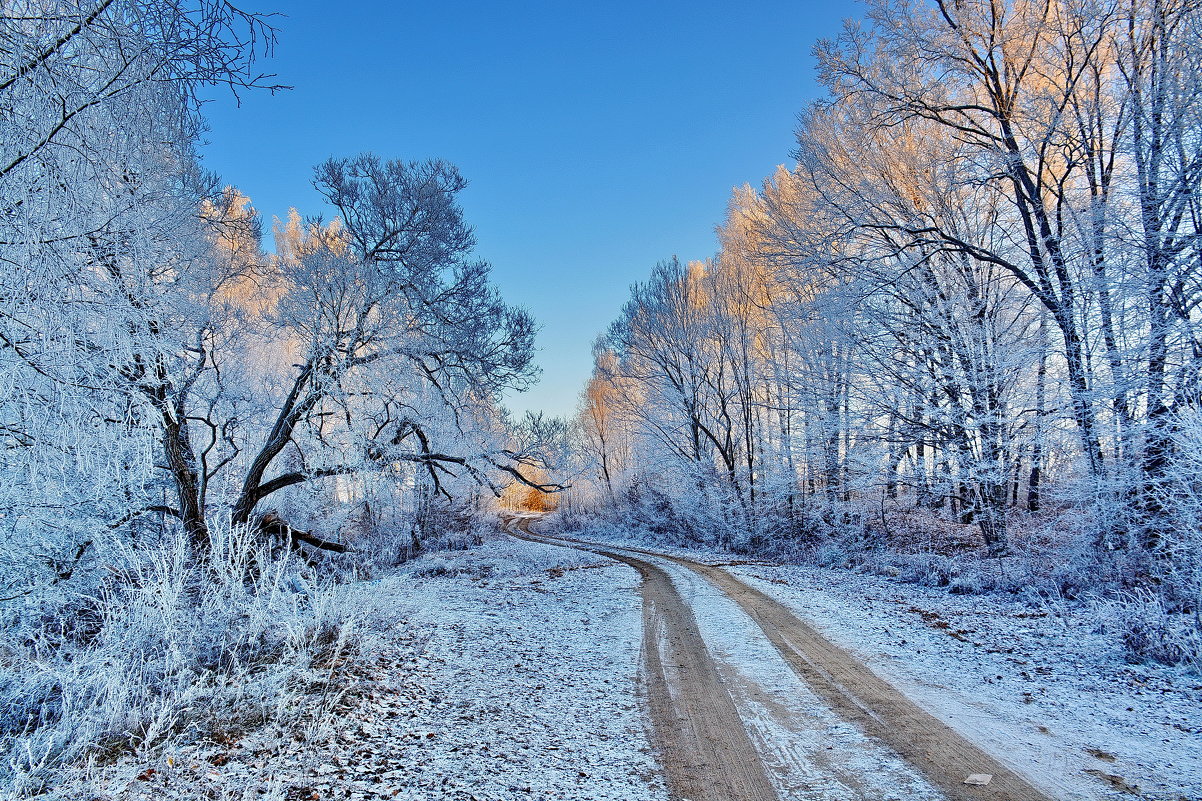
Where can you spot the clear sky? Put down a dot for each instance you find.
(598, 137)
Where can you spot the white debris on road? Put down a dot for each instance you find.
(809, 751)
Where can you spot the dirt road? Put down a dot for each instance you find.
(705, 751)
(705, 748)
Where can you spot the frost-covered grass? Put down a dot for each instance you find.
(502, 672)
(155, 664)
(163, 650)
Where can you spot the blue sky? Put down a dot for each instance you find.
(598, 138)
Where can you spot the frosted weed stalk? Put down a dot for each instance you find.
(175, 650)
(1153, 630)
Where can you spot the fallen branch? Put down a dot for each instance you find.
(272, 523)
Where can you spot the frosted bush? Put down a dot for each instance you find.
(171, 650)
(970, 583)
(1152, 630)
(929, 569)
(437, 566)
(832, 554)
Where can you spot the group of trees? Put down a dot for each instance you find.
(158, 369)
(976, 294)
(188, 422)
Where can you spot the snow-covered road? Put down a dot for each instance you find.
(1042, 693)
(809, 751)
(1046, 689)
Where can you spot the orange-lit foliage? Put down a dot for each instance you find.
(521, 498)
(249, 285)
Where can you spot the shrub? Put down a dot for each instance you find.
(1152, 631)
(169, 648)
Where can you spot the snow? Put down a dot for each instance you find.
(510, 673)
(1044, 690)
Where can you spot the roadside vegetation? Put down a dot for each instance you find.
(957, 341)
(203, 444)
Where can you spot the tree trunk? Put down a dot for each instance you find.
(181, 461)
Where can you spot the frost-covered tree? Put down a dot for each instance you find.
(107, 256)
(1080, 119)
(398, 346)
(159, 366)
(974, 292)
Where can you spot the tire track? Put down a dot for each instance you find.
(848, 687)
(705, 751)
(857, 694)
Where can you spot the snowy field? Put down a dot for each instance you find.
(1043, 689)
(508, 673)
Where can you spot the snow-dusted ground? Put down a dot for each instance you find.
(509, 672)
(1044, 690)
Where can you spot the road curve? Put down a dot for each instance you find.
(943, 756)
(703, 747)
